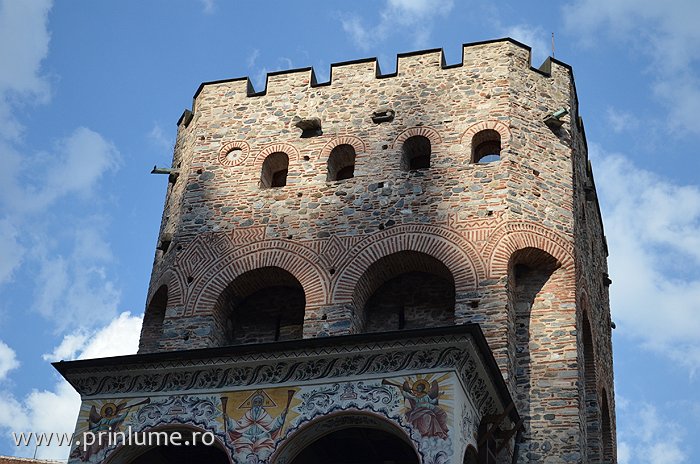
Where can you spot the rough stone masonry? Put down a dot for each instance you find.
(356, 189)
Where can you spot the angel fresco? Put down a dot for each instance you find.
(108, 420)
(424, 411)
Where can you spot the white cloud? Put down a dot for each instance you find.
(621, 121)
(120, 336)
(24, 43)
(253, 58)
(11, 250)
(159, 139)
(8, 360)
(397, 16)
(208, 5)
(653, 231)
(665, 33)
(535, 37)
(56, 410)
(77, 280)
(33, 183)
(646, 436)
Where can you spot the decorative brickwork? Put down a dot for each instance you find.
(433, 196)
(351, 140)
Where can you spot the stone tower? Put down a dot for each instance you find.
(404, 267)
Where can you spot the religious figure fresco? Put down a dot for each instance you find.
(253, 434)
(424, 411)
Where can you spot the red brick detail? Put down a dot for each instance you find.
(290, 150)
(243, 235)
(202, 252)
(357, 143)
(447, 246)
(515, 236)
(175, 284)
(428, 132)
(300, 261)
(227, 147)
(474, 129)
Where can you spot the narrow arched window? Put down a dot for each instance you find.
(486, 146)
(415, 153)
(274, 170)
(341, 163)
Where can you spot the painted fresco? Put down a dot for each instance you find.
(252, 424)
(255, 421)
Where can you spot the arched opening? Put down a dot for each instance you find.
(357, 445)
(486, 146)
(592, 406)
(471, 456)
(349, 438)
(182, 455)
(152, 329)
(607, 435)
(262, 305)
(533, 281)
(405, 290)
(202, 447)
(415, 153)
(274, 170)
(341, 163)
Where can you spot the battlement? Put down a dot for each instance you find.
(367, 69)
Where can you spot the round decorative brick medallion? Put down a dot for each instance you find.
(233, 153)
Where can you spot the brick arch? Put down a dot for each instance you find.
(290, 150)
(475, 128)
(296, 259)
(357, 143)
(512, 237)
(448, 247)
(425, 131)
(175, 284)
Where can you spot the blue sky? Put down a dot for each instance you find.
(90, 93)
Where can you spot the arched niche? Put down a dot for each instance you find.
(262, 305)
(405, 290)
(152, 328)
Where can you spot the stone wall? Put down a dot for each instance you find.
(481, 221)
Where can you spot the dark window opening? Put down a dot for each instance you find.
(405, 290)
(346, 173)
(341, 163)
(260, 306)
(274, 170)
(415, 153)
(279, 178)
(486, 147)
